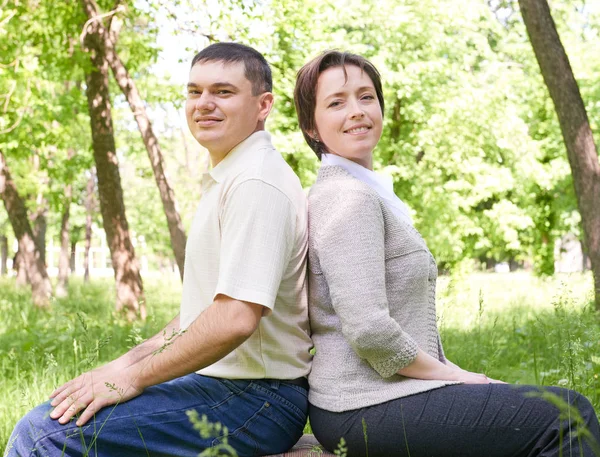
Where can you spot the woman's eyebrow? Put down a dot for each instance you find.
(342, 93)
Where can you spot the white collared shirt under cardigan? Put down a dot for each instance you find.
(371, 296)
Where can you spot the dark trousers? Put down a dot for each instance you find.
(476, 420)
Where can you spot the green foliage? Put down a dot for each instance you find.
(470, 139)
(208, 430)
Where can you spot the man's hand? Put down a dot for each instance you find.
(94, 390)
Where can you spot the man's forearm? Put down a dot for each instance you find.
(220, 329)
(151, 345)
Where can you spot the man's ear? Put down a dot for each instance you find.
(266, 104)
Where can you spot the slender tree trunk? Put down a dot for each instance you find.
(40, 225)
(39, 217)
(64, 258)
(28, 252)
(21, 279)
(130, 295)
(89, 210)
(129, 89)
(574, 123)
(73, 256)
(4, 254)
(190, 162)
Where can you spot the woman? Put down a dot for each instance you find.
(379, 377)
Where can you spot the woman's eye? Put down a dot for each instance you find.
(334, 104)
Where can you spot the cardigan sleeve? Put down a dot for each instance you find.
(350, 247)
(441, 355)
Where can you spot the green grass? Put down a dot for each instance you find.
(512, 327)
(524, 330)
(40, 349)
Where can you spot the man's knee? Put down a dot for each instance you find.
(29, 430)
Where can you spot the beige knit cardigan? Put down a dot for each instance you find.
(371, 297)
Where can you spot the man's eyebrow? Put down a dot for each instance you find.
(214, 85)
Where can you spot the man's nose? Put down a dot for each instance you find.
(205, 102)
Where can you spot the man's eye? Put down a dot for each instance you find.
(223, 92)
(194, 92)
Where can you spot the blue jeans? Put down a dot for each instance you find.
(262, 417)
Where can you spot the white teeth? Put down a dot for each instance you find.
(358, 130)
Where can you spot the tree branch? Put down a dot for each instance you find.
(91, 8)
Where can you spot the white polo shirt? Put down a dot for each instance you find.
(248, 241)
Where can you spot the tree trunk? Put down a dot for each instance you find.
(130, 295)
(4, 255)
(39, 217)
(89, 211)
(64, 258)
(574, 123)
(40, 225)
(28, 252)
(129, 89)
(73, 256)
(191, 163)
(584, 257)
(21, 279)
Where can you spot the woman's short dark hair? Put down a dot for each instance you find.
(256, 67)
(305, 92)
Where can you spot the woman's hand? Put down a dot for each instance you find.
(468, 377)
(426, 367)
(473, 378)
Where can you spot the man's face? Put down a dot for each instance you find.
(220, 108)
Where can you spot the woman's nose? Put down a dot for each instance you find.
(356, 111)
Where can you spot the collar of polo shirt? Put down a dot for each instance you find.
(238, 157)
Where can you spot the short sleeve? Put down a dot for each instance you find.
(257, 235)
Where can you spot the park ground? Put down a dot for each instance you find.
(514, 327)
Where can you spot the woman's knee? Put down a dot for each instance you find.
(573, 400)
(585, 407)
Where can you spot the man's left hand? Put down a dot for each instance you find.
(92, 391)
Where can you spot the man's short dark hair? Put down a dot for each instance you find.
(257, 69)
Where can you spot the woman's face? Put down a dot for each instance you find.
(348, 117)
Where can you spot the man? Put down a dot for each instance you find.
(238, 352)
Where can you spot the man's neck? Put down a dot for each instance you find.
(217, 155)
